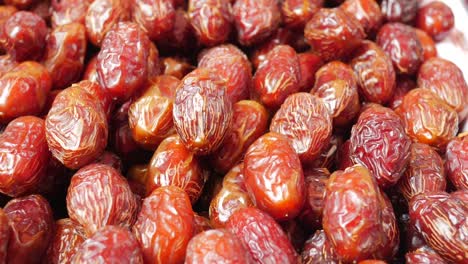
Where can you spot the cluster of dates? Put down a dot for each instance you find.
(116, 148)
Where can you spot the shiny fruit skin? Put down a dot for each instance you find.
(76, 128)
(24, 156)
(367, 12)
(403, 11)
(5, 233)
(261, 236)
(316, 182)
(296, 13)
(309, 64)
(277, 77)
(156, 17)
(424, 255)
(96, 196)
(65, 243)
(379, 142)
(274, 177)
(68, 11)
(165, 225)
(428, 44)
(456, 162)
(435, 18)
(403, 85)
(318, 249)
(31, 224)
(202, 111)
(305, 120)
(111, 244)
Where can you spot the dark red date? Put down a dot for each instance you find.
(436, 19)
(296, 13)
(403, 11)
(65, 243)
(456, 161)
(156, 17)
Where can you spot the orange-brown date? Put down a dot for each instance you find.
(296, 13)
(156, 17)
(456, 161)
(367, 12)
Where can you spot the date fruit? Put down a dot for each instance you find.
(436, 19)
(456, 161)
(65, 243)
(156, 17)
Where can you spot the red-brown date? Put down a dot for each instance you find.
(24, 91)
(425, 172)
(424, 255)
(21, 4)
(274, 177)
(446, 80)
(102, 16)
(403, 85)
(68, 11)
(390, 242)
(175, 66)
(367, 12)
(202, 111)
(153, 66)
(211, 20)
(278, 76)
(343, 156)
(352, 217)
(201, 224)
(76, 128)
(436, 19)
(216, 246)
(282, 36)
(231, 63)
(456, 161)
(64, 54)
(261, 236)
(336, 86)
(32, 225)
(316, 182)
(6, 11)
(402, 46)
(309, 64)
(427, 43)
(98, 93)
(230, 197)
(65, 243)
(165, 225)
(90, 72)
(379, 142)
(296, 13)
(374, 72)
(110, 159)
(255, 20)
(122, 62)
(7, 63)
(403, 11)
(4, 236)
(305, 120)
(96, 196)
(249, 122)
(111, 244)
(156, 17)
(181, 39)
(173, 164)
(442, 220)
(318, 249)
(24, 156)
(150, 116)
(333, 34)
(427, 118)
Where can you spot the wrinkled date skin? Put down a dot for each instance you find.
(262, 236)
(122, 62)
(316, 182)
(436, 19)
(110, 159)
(173, 164)
(296, 13)
(23, 91)
(181, 39)
(336, 85)
(7, 63)
(6, 11)
(403, 11)
(282, 36)
(176, 66)
(76, 128)
(255, 20)
(99, 94)
(446, 80)
(68, 11)
(424, 255)
(249, 122)
(367, 12)
(379, 142)
(403, 85)
(274, 177)
(216, 246)
(202, 111)
(442, 220)
(111, 244)
(64, 55)
(65, 243)
(25, 34)
(232, 64)
(456, 161)
(101, 17)
(428, 44)
(4, 236)
(278, 76)
(401, 44)
(391, 236)
(211, 20)
(428, 119)
(150, 116)
(309, 63)
(333, 34)
(230, 197)
(425, 172)
(21, 4)
(165, 225)
(96, 196)
(318, 249)
(31, 224)
(156, 17)
(374, 72)
(352, 217)
(24, 156)
(305, 120)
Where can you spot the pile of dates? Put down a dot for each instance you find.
(231, 131)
